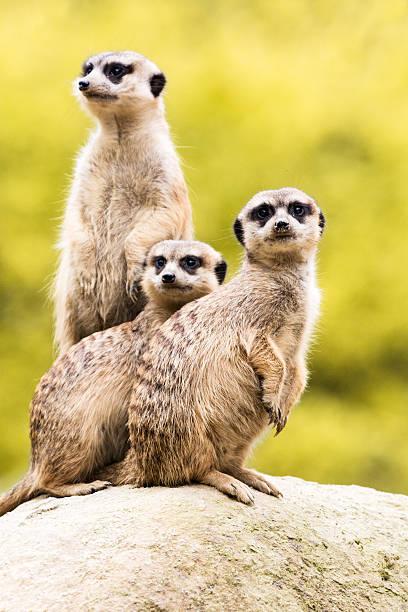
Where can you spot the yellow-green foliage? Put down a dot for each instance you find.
(260, 95)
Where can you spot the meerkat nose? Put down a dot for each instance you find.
(281, 226)
(83, 85)
(168, 278)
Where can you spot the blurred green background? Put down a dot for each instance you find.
(260, 95)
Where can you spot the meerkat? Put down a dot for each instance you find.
(223, 367)
(79, 410)
(128, 193)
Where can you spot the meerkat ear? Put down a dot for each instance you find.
(220, 271)
(157, 82)
(239, 231)
(322, 222)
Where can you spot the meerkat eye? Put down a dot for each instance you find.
(262, 212)
(190, 263)
(87, 69)
(298, 210)
(115, 72)
(159, 263)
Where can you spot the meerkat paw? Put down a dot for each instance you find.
(272, 406)
(87, 284)
(133, 282)
(133, 289)
(255, 480)
(97, 485)
(230, 486)
(241, 492)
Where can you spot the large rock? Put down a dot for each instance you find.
(191, 548)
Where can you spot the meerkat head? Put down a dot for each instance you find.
(119, 82)
(279, 222)
(178, 271)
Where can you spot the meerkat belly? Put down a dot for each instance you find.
(236, 405)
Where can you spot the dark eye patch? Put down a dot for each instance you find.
(262, 213)
(87, 68)
(116, 71)
(190, 263)
(299, 211)
(159, 263)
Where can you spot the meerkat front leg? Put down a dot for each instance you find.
(153, 225)
(267, 362)
(295, 382)
(80, 250)
(84, 265)
(69, 297)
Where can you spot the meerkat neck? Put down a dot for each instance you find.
(119, 126)
(301, 271)
(162, 310)
(284, 262)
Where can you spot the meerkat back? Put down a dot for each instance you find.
(127, 194)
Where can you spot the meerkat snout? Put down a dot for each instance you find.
(168, 278)
(282, 226)
(83, 85)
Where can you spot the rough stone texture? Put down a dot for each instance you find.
(191, 548)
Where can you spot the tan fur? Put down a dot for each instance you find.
(127, 194)
(79, 410)
(219, 369)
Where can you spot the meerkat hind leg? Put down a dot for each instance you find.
(81, 488)
(229, 485)
(255, 480)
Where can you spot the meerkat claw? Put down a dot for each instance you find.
(133, 289)
(280, 425)
(274, 414)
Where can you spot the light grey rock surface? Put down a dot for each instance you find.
(321, 548)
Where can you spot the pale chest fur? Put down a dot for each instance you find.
(116, 179)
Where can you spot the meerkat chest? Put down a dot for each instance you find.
(116, 180)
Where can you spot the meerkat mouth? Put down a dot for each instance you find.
(99, 96)
(178, 288)
(280, 237)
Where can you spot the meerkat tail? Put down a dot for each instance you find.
(23, 491)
